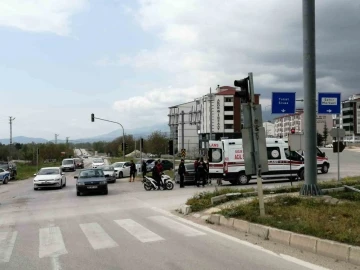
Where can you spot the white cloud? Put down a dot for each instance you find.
(40, 15)
(206, 42)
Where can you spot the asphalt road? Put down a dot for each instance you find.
(128, 229)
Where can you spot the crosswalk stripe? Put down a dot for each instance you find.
(176, 226)
(7, 242)
(97, 237)
(141, 233)
(51, 242)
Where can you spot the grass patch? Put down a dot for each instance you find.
(25, 171)
(202, 200)
(309, 216)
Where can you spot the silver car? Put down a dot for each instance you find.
(110, 171)
(68, 164)
(49, 177)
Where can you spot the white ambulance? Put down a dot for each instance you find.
(282, 164)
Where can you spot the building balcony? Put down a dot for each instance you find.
(228, 121)
(228, 113)
(231, 104)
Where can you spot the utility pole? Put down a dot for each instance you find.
(211, 108)
(309, 61)
(11, 119)
(56, 136)
(182, 130)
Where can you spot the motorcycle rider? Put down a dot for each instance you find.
(156, 174)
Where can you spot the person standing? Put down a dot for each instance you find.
(181, 172)
(196, 171)
(143, 169)
(201, 168)
(132, 170)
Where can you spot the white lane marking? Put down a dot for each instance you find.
(7, 243)
(97, 237)
(141, 233)
(55, 263)
(176, 226)
(51, 242)
(234, 239)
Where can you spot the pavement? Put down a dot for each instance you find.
(128, 229)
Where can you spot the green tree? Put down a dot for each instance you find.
(325, 133)
(156, 143)
(320, 139)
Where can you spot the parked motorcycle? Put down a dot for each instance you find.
(165, 183)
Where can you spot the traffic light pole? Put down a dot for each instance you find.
(123, 137)
(310, 187)
(338, 152)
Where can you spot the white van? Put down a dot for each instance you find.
(229, 155)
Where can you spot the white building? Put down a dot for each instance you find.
(218, 114)
(269, 129)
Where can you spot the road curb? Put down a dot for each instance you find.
(303, 242)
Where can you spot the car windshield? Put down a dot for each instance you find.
(4, 166)
(91, 174)
(189, 167)
(107, 168)
(48, 171)
(67, 161)
(118, 164)
(98, 161)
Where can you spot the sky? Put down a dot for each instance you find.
(129, 60)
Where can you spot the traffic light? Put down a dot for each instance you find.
(92, 117)
(244, 85)
(124, 146)
(142, 143)
(171, 147)
(292, 130)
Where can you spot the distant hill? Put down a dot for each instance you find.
(23, 139)
(137, 133)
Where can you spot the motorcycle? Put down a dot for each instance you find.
(165, 183)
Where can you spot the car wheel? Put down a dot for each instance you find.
(6, 180)
(64, 183)
(301, 174)
(106, 192)
(243, 179)
(325, 168)
(78, 193)
(35, 188)
(121, 175)
(61, 185)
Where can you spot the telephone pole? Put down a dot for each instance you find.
(67, 140)
(11, 119)
(56, 136)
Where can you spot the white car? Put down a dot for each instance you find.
(122, 169)
(49, 177)
(97, 162)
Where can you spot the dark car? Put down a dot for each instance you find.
(79, 163)
(91, 181)
(189, 176)
(167, 165)
(110, 171)
(10, 167)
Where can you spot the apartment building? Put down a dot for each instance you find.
(285, 123)
(349, 119)
(211, 116)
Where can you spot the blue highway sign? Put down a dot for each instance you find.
(283, 102)
(329, 103)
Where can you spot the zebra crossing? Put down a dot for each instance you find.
(53, 239)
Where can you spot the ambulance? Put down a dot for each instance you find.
(226, 157)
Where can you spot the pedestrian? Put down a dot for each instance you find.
(196, 171)
(156, 174)
(132, 170)
(181, 172)
(201, 168)
(143, 168)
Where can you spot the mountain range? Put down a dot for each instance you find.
(137, 133)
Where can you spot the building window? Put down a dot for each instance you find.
(229, 126)
(229, 99)
(229, 108)
(228, 117)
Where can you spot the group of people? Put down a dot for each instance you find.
(201, 172)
